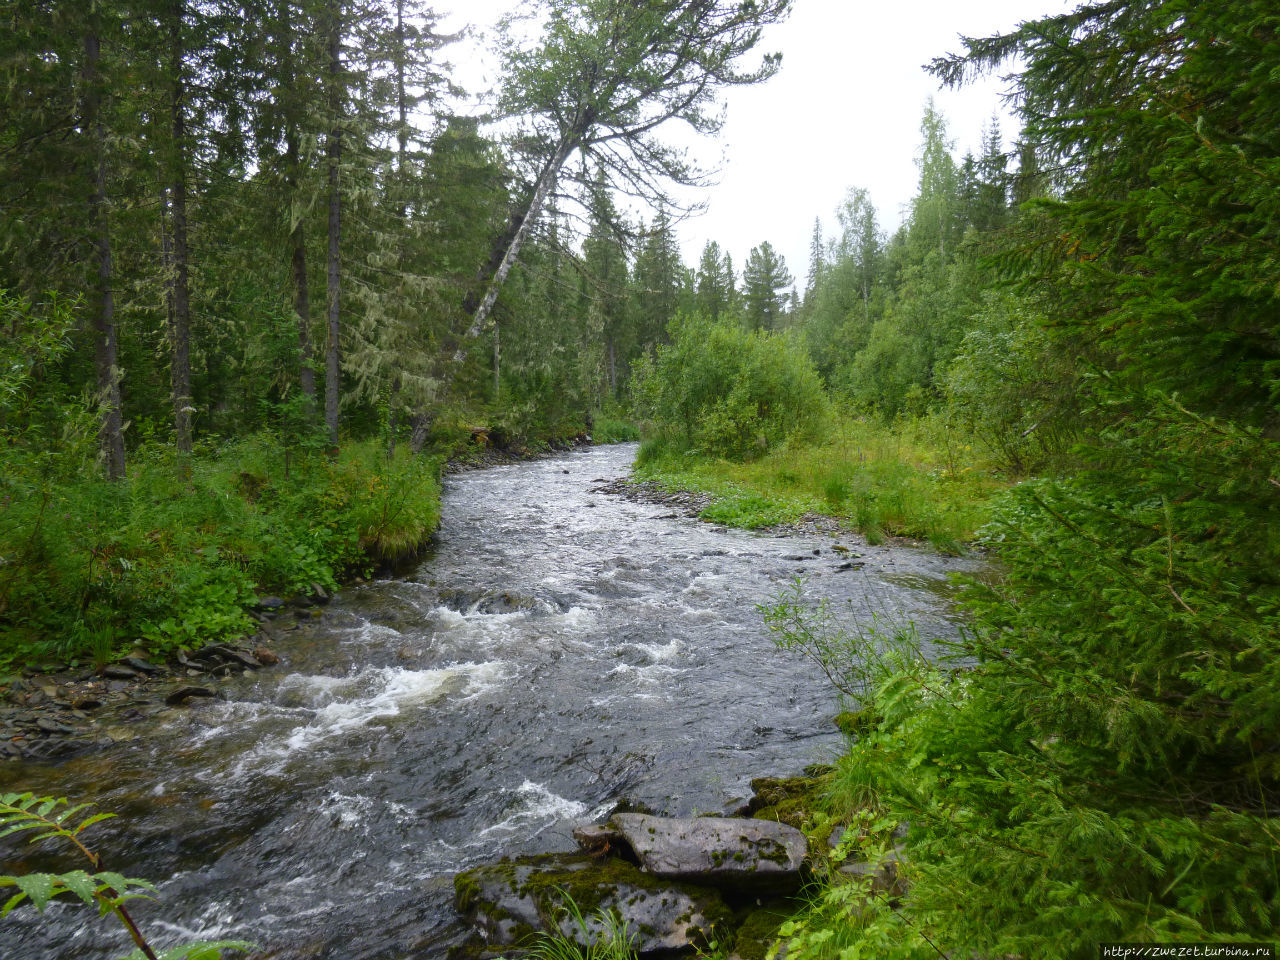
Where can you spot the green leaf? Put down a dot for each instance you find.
(38, 886)
(90, 821)
(81, 884)
(200, 950)
(12, 902)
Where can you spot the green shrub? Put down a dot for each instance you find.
(729, 392)
(612, 430)
(1101, 766)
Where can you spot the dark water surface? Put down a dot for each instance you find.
(557, 651)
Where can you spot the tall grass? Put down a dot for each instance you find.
(910, 479)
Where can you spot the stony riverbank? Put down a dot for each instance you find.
(53, 714)
(672, 886)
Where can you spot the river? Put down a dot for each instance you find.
(559, 650)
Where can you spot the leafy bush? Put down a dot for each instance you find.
(729, 392)
(1102, 766)
(609, 429)
(1010, 390)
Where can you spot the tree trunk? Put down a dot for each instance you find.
(333, 150)
(180, 373)
(297, 238)
(421, 428)
(402, 149)
(546, 180)
(392, 424)
(497, 365)
(105, 347)
(613, 371)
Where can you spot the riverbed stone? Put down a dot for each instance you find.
(183, 694)
(142, 666)
(118, 671)
(723, 851)
(596, 838)
(505, 903)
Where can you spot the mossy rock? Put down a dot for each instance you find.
(759, 929)
(508, 903)
(857, 723)
(791, 800)
(728, 852)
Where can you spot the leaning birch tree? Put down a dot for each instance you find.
(605, 76)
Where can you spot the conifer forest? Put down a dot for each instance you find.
(269, 280)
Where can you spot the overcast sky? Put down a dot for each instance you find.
(843, 112)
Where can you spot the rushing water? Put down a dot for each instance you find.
(559, 650)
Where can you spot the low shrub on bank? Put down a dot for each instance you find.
(729, 392)
(176, 555)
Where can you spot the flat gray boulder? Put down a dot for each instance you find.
(720, 851)
(507, 903)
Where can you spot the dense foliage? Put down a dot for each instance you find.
(1103, 765)
(245, 247)
(731, 392)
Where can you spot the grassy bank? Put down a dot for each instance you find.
(910, 479)
(176, 555)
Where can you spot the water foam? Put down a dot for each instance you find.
(535, 804)
(317, 708)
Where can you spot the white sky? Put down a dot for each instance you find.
(843, 112)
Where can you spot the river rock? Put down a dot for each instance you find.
(241, 657)
(596, 838)
(716, 850)
(118, 671)
(142, 666)
(507, 902)
(265, 657)
(183, 694)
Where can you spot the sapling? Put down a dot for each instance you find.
(50, 817)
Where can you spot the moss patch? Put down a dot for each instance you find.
(758, 930)
(791, 800)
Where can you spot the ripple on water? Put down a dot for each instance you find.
(311, 711)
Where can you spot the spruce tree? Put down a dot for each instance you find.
(1104, 765)
(765, 279)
